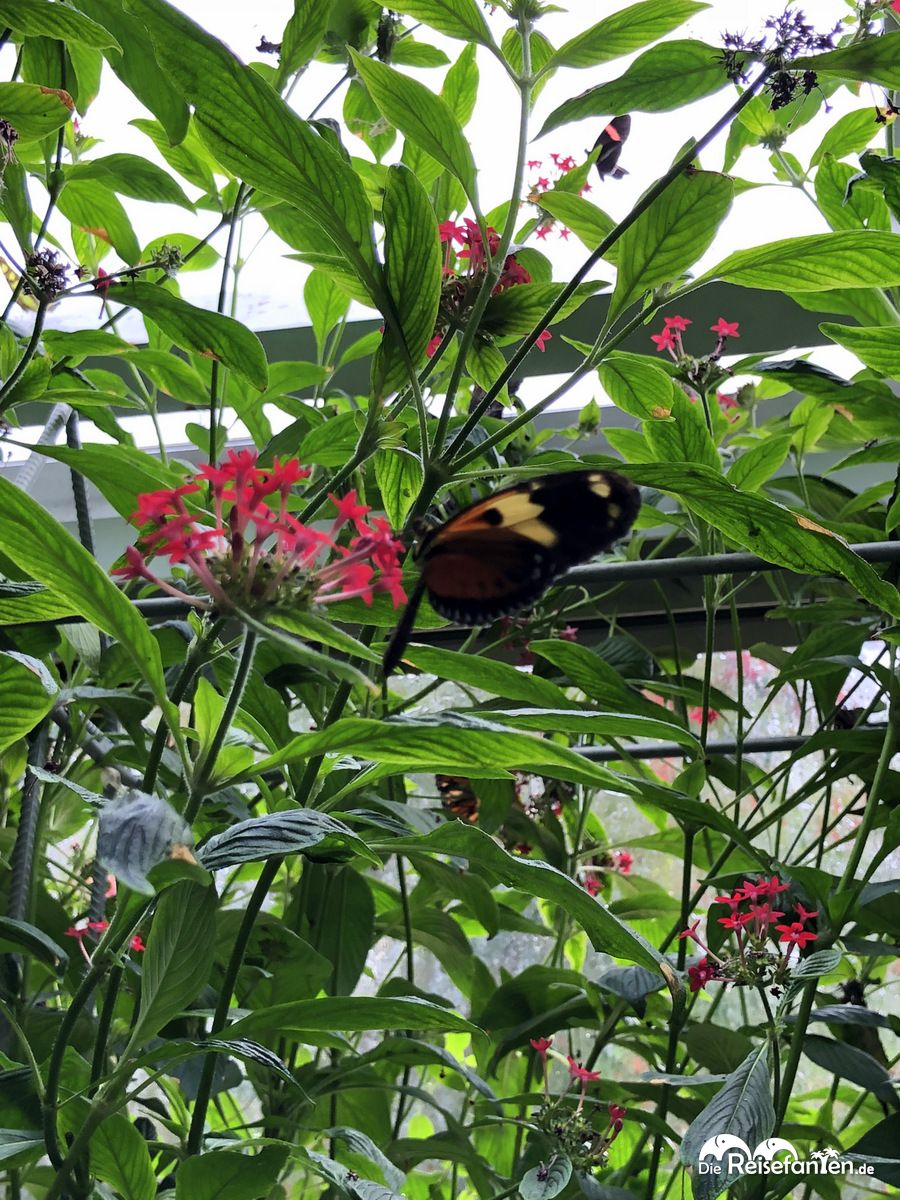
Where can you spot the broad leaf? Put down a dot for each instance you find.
(27, 693)
(456, 18)
(871, 60)
(855, 259)
(281, 833)
(230, 1175)
(36, 18)
(349, 1014)
(878, 347)
(671, 235)
(624, 32)
(546, 1181)
(34, 111)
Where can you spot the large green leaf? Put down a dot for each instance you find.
(256, 136)
(34, 111)
(291, 832)
(637, 386)
(178, 957)
(120, 1157)
(546, 1181)
(517, 310)
(43, 548)
(742, 1108)
(499, 678)
(37, 18)
(877, 346)
(93, 208)
(230, 1174)
(535, 878)
(778, 535)
(671, 235)
(422, 117)
(302, 37)
(855, 259)
(624, 32)
(665, 77)
(412, 273)
(604, 725)
(208, 333)
(849, 134)
(588, 222)
(463, 746)
(845, 206)
(131, 175)
(685, 438)
(349, 1013)
(27, 693)
(398, 473)
(456, 18)
(137, 67)
(871, 60)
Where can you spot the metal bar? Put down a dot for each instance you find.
(726, 746)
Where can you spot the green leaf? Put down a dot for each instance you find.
(349, 1013)
(602, 682)
(94, 209)
(637, 386)
(412, 272)
(83, 343)
(845, 206)
(665, 77)
(855, 259)
(460, 90)
(778, 535)
(399, 475)
(546, 1181)
(871, 60)
(189, 157)
(43, 548)
(290, 832)
(757, 465)
(742, 1108)
(229, 1174)
(877, 346)
(534, 878)
(120, 1157)
(462, 747)
(208, 333)
(120, 473)
(18, 1141)
(624, 32)
(15, 205)
(488, 674)
(326, 305)
(34, 111)
(600, 725)
(137, 67)
(850, 1062)
(131, 175)
(883, 171)
(27, 693)
(179, 954)
(422, 117)
(32, 941)
(849, 134)
(456, 18)
(588, 222)
(670, 235)
(37, 18)
(685, 438)
(255, 135)
(302, 37)
(518, 309)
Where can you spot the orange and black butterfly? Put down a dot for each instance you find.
(458, 797)
(610, 142)
(501, 553)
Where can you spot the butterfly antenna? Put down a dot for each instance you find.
(400, 637)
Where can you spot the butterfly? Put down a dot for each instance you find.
(500, 554)
(610, 142)
(458, 797)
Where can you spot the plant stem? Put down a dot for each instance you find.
(220, 308)
(796, 1050)
(207, 763)
(27, 355)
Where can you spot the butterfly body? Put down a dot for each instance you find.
(500, 554)
(610, 143)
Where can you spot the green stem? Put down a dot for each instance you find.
(220, 308)
(207, 764)
(495, 262)
(796, 1050)
(652, 194)
(27, 355)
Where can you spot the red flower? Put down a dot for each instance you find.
(543, 183)
(795, 934)
(690, 932)
(542, 1045)
(770, 887)
(725, 401)
(803, 914)
(725, 329)
(449, 230)
(664, 340)
(542, 231)
(564, 233)
(512, 274)
(432, 346)
(624, 862)
(542, 339)
(701, 974)
(137, 944)
(569, 633)
(593, 885)
(102, 282)
(577, 1071)
(679, 324)
(567, 164)
(534, 164)
(696, 715)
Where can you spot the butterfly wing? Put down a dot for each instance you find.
(499, 555)
(610, 142)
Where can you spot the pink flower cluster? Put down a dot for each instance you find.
(251, 551)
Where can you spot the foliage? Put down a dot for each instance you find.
(541, 916)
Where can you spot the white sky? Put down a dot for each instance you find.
(271, 285)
